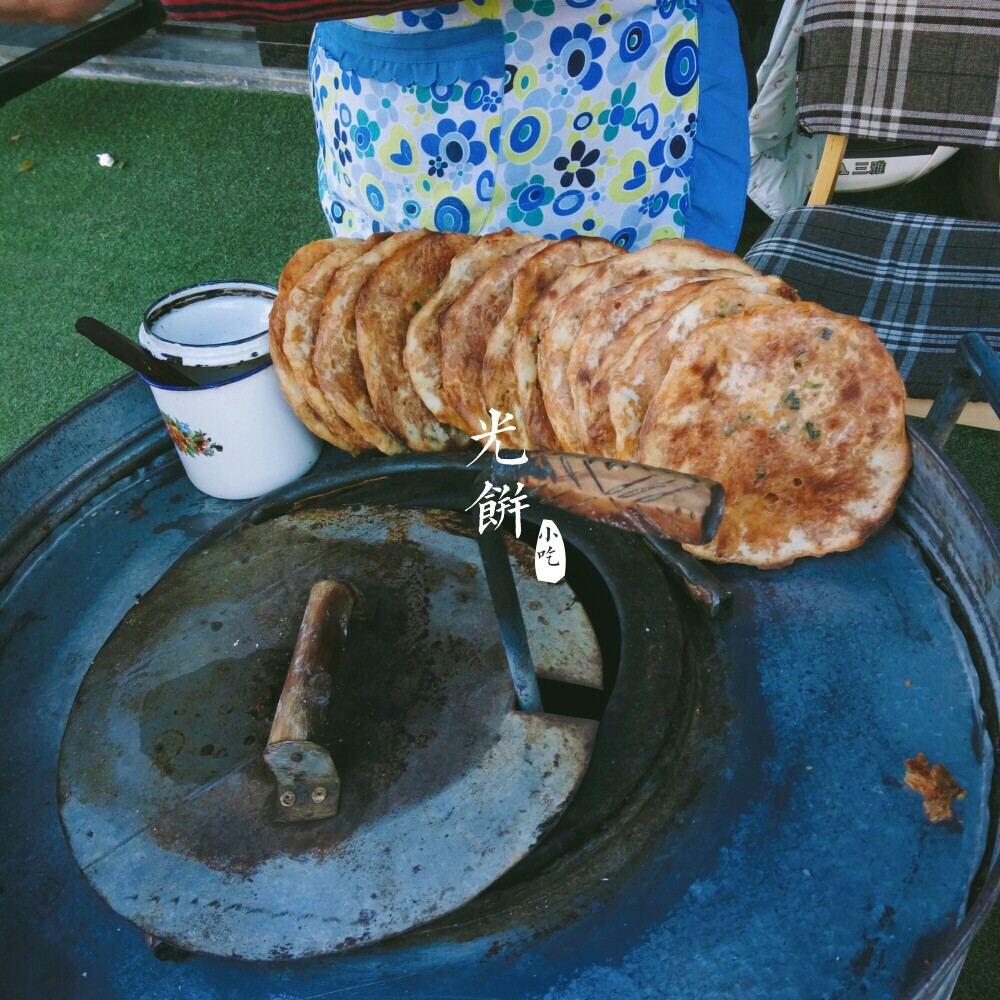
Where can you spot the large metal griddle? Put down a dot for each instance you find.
(172, 814)
(742, 828)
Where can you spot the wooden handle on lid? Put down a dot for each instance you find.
(308, 783)
(305, 698)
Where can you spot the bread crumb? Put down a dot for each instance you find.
(936, 785)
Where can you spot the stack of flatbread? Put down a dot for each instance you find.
(677, 356)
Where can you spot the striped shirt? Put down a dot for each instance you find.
(283, 11)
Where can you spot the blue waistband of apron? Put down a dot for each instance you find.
(416, 58)
(720, 167)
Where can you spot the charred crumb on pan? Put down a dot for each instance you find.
(937, 786)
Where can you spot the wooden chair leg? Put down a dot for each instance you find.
(974, 415)
(829, 167)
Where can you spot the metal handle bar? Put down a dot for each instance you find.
(976, 364)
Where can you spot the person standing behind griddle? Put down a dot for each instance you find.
(558, 117)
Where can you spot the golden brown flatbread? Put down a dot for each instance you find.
(603, 324)
(335, 358)
(633, 382)
(307, 257)
(799, 412)
(422, 355)
(538, 288)
(646, 320)
(293, 394)
(302, 320)
(299, 264)
(600, 431)
(499, 376)
(556, 339)
(465, 329)
(389, 300)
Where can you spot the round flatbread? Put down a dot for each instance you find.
(391, 297)
(293, 394)
(800, 413)
(499, 375)
(302, 320)
(300, 263)
(600, 431)
(335, 358)
(648, 319)
(422, 355)
(603, 323)
(465, 329)
(538, 288)
(633, 382)
(306, 258)
(557, 338)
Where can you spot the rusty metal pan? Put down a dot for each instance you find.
(173, 819)
(744, 828)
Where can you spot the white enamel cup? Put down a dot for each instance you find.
(236, 435)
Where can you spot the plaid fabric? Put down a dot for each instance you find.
(923, 70)
(921, 281)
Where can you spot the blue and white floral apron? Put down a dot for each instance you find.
(559, 117)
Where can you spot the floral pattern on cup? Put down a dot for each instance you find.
(188, 441)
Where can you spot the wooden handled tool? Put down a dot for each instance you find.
(308, 783)
(638, 498)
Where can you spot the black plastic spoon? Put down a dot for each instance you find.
(132, 354)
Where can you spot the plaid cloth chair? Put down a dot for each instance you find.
(924, 70)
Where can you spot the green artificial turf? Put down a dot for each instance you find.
(214, 184)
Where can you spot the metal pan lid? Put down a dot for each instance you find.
(214, 324)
